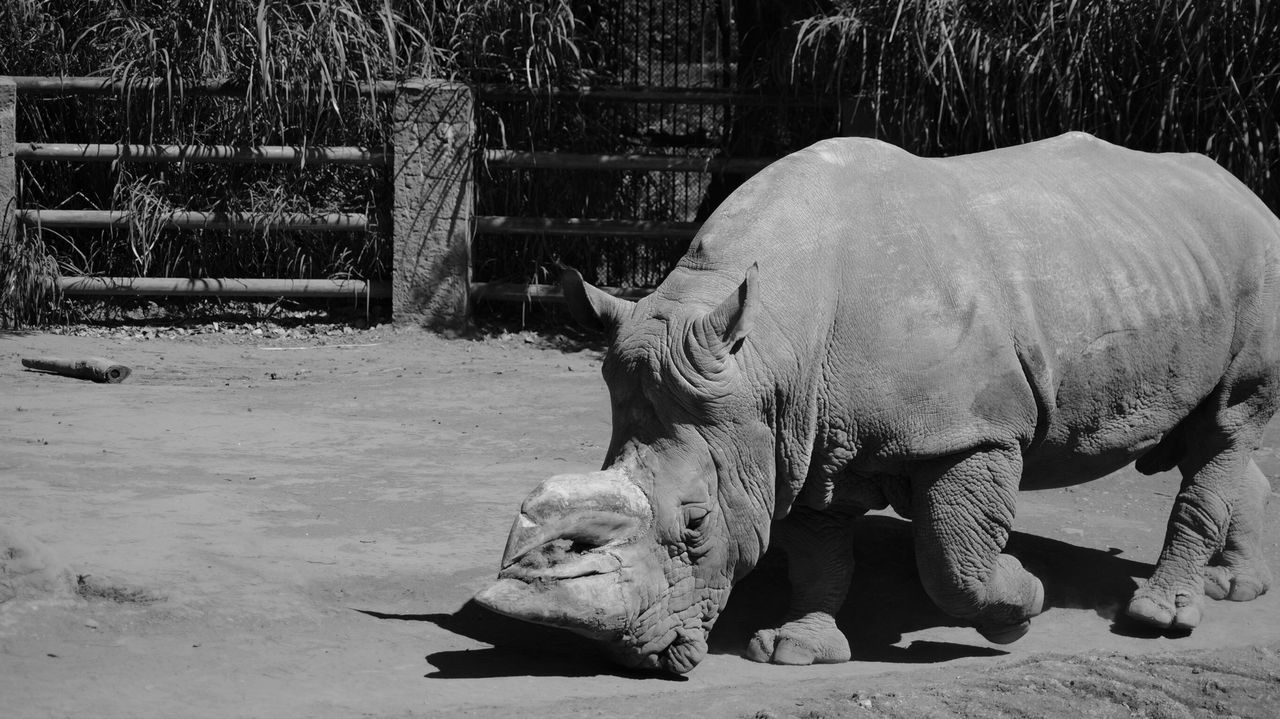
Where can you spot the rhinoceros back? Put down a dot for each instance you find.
(1077, 296)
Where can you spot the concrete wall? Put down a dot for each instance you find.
(432, 171)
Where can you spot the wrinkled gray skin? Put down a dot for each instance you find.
(926, 334)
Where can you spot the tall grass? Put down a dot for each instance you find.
(28, 294)
(952, 76)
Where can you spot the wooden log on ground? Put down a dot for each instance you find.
(93, 368)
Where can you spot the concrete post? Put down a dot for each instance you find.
(9, 315)
(432, 173)
(8, 172)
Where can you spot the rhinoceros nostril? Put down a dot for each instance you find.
(561, 559)
(577, 533)
(563, 549)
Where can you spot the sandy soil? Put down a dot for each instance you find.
(288, 528)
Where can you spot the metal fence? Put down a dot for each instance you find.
(621, 173)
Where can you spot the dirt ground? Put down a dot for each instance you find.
(252, 527)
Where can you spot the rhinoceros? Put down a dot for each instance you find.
(857, 328)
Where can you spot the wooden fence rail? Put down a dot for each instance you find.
(655, 95)
(501, 292)
(37, 85)
(577, 227)
(223, 287)
(189, 220)
(259, 154)
(576, 161)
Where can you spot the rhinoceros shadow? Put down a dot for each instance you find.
(886, 601)
(518, 648)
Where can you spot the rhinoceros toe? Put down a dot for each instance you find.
(1180, 609)
(1006, 634)
(812, 639)
(1236, 583)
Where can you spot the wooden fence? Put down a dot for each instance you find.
(430, 173)
(428, 169)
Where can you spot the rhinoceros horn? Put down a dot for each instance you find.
(566, 562)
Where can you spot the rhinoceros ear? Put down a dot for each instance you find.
(722, 330)
(592, 307)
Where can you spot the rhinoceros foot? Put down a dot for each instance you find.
(1179, 609)
(1006, 635)
(811, 639)
(1237, 581)
(1239, 571)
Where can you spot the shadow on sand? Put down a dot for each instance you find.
(519, 648)
(886, 602)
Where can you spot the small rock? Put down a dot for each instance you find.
(90, 623)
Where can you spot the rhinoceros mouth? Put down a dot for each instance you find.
(584, 599)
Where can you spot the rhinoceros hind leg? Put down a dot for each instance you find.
(1212, 544)
(819, 548)
(963, 510)
(1240, 571)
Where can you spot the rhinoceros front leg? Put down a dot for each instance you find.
(963, 510)
(819, 548)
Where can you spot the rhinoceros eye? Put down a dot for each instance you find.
(694, 517)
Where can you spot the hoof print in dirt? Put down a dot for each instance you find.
(27, 568)
(92, 587)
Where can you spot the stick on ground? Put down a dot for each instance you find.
(93, 368)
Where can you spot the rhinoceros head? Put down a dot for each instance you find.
(641, 555)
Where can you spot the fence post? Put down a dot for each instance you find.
(10, 287)
(8, 172)
(432, 173)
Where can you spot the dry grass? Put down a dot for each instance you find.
(948, 76)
